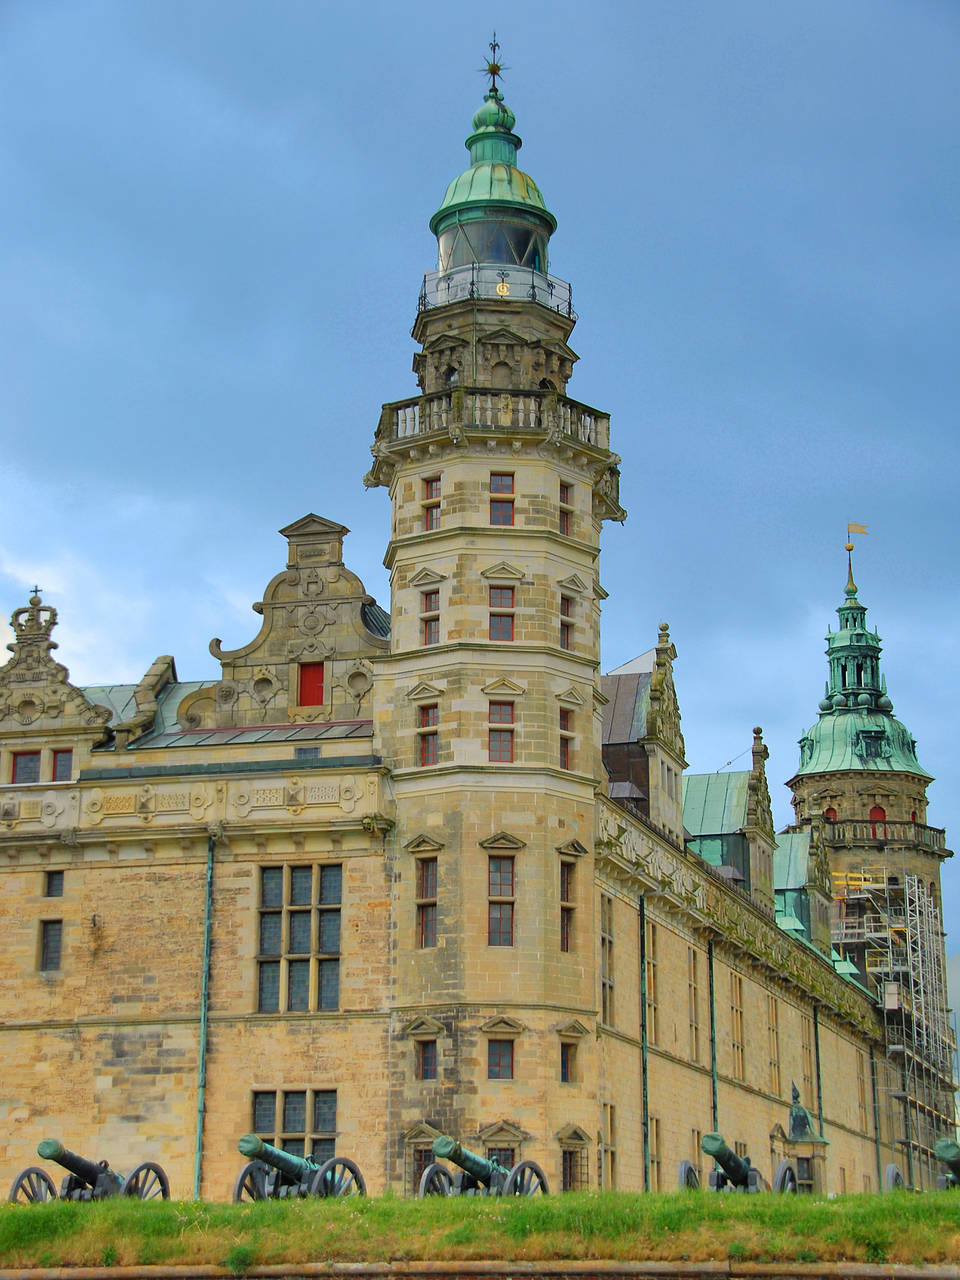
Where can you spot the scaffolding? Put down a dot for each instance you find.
(887, 922)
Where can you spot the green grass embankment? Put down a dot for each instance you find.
(898, 1227)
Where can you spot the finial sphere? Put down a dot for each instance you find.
(848, 546)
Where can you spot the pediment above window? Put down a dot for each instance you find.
(502, 1133)
(421, 1132)
(504, 336)
(427, 578)
(424, 1029)
(572, 849)
(574, 583)
(503, 572)
(571, 697)
(503, 685)
(423, 844)
(571, 1135)
(425, 692)
(502, 1026)
(503, 840)
(573, 1029)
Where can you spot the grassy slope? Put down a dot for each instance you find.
(898, 1227)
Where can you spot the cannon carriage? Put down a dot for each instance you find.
(478, 1176)
(86, 1179)
(272, 1174)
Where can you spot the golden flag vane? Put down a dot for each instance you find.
(852, 528)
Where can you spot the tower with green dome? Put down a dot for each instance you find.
(488, 702)
(860, 791)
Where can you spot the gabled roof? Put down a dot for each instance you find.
(715, 804)
(791, 860)
(628, 701)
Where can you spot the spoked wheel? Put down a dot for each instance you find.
(32, 1186)
(687, 1177)
(249, 1183)
(435, 1181)
(147, 1182)
(526, 1179)
(338, 1177)
(785, 1179)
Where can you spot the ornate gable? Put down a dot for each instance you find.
(423, 844)
(35, 693)
(315, 611)
(663, 717)
(759, 812)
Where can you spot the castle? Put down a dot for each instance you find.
(420, 871)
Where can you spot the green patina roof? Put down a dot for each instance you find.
(856, 729)
(121, 701)
(715, 803)
(493, 181)
(791, 860)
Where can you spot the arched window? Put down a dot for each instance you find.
(878, 823)
(830, 813)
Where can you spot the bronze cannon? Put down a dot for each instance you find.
(273, 1174)
(86, 1179)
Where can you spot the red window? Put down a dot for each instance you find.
(62, 766)
(566, 881)
(431, 631)
(26, 766)
(501, 512)
(566, 606)
(500, 878)
(566, 720)
(878, 818)
(501, 482)
(501, 713)
(501, 626)
(431, 488)
(311, 684)
(501, 597)
(564, 495)
(566, 635)
(429, 715)
(429, 748)
(564, 753)
(566, 927)
(430, 602)
(431, 518)
(830, 814)
(500, 931)
(567, 1054)
(426, 1059)
(563, 523)
(501, 745)
(426, 924)
(499, 1059)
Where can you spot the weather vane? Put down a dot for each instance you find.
(494, 66)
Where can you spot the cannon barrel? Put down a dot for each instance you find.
(296, 1167)
(948, 1151)
(483, 1170)
(87, 1170)
(737, 1168)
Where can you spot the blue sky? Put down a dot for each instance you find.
(211, 244)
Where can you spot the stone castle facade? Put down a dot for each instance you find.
(401, 873)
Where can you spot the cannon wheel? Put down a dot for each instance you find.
(687, 1177)
(435, 1181)
(785, 1179)
(147, 1182)
(892, 1178)
(526, 1179)
(336, 1178)
(31, 1186)
(249, 1183)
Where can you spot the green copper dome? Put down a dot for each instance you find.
(493, 212)
(856, 729)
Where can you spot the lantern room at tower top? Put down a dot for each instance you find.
(493, 226)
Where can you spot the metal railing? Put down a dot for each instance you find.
(493, 280)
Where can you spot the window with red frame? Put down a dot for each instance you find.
(501, 713)
(566, 729)
(501, 597)
(501, 626)
(426, 902)
(431, 518)
(566, 905)
(426, 1059)
(566, 635)
(26, 766)
(429, 617)
(566, 606)
(501, 482)
(499, 1059)
(431, 489)
(428, 716)
(500, 745)
(428, 749)
(501, 511)
(62, 766)
(310, 693)
(500, 887)
(563, 519)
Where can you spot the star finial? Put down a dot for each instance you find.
(494, 66)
